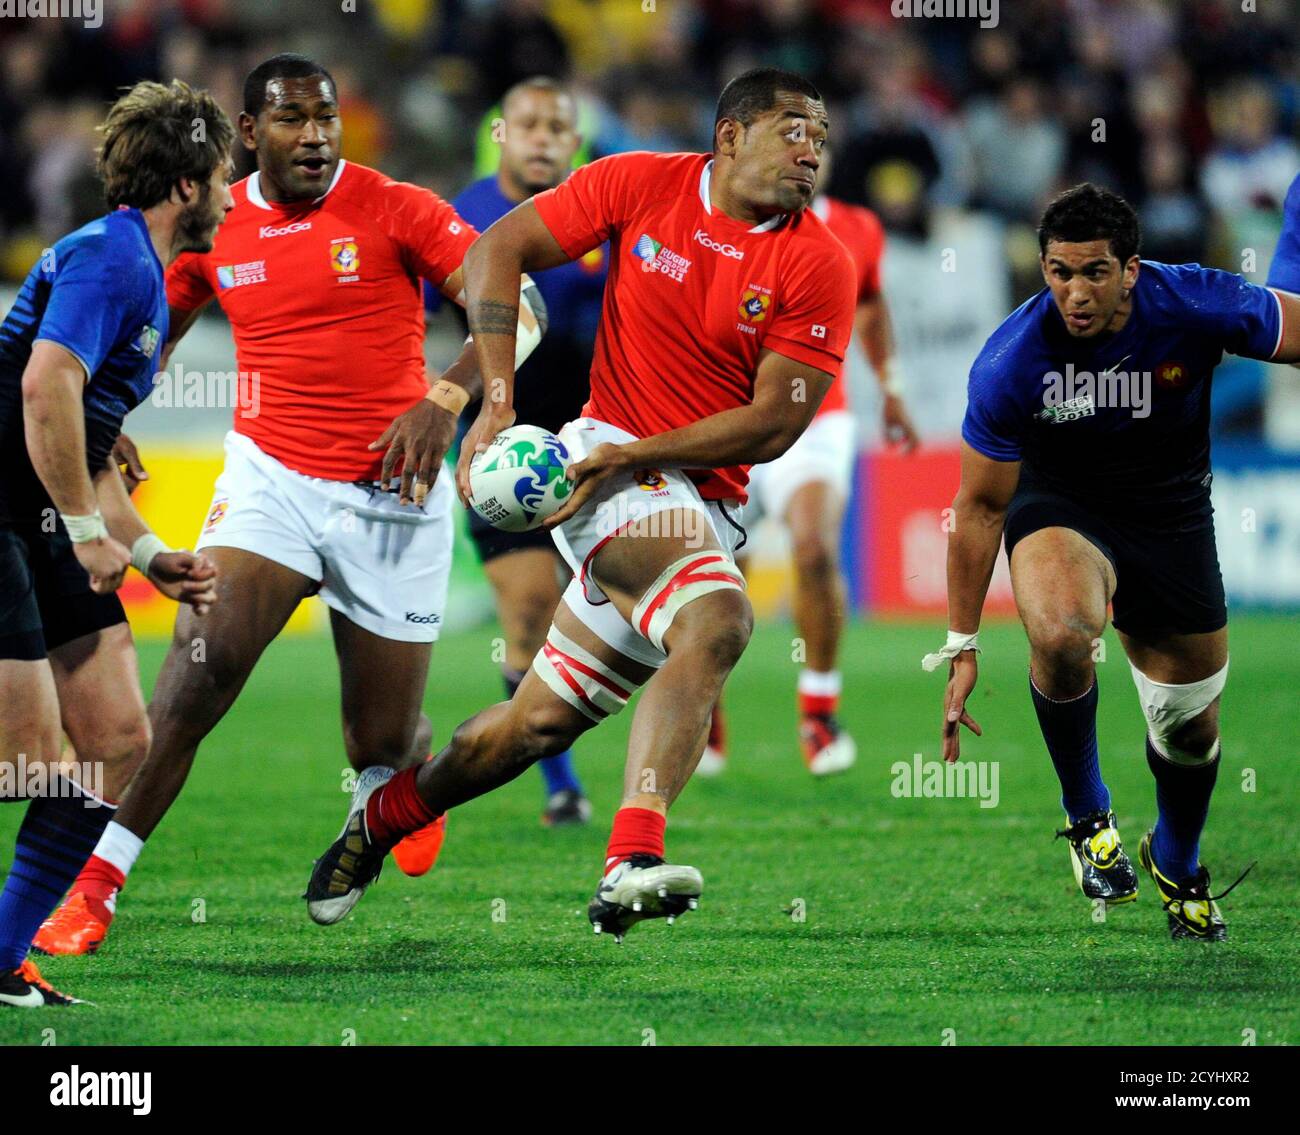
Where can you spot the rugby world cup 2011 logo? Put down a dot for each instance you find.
(543, 467)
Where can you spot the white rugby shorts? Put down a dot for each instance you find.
(825, 452)
(380, 564)
(621, 503)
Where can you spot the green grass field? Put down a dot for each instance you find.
(920, 915)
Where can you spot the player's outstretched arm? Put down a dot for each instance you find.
(55, 430)
(786, 396)
(978, 514)
(516, 244)
(876, 332)
(186, 577)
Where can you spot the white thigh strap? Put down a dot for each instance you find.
(681, 583)
(580, 678)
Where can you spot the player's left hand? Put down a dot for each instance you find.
(186, 577)
(899, 429)
(587, 476)
(418, 440)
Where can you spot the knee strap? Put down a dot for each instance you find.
(580, 678)
(679, 584)
(1169, 707)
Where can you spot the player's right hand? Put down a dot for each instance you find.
(492, 419)
(187, 577)
(962, 674)
(105, 561)
(127, 458)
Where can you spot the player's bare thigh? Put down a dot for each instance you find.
(255, 597)
(29, 715)
(627, 565)
(813, 516)
(1062, 584)
(103, 712)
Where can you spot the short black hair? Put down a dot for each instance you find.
(753, 93)
(539, 83)
(1089, 212)
(286, 65)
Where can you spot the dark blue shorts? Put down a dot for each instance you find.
(1167, 580)
(45, 595)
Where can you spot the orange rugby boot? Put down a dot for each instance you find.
(417, 852)
(78, 926)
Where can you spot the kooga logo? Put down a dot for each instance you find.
(726, 249)
(284, 230)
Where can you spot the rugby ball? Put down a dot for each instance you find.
(520, 479)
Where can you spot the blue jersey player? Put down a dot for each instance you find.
(78, 351)
(1284, 272)
(538, 138)
(1086, 442)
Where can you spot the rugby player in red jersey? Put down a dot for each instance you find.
(726, 315)
(318, 271)
(806, 489)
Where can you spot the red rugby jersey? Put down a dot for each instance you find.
(861, 232)
(324, 301)
(693, 295)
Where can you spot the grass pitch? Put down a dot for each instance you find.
(834, 911)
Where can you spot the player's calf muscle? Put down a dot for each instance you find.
(493, 747)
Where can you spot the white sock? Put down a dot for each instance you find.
(819, 684)
(371, 777)
(119, 846)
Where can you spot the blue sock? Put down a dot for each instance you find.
(1070, 730)
(557, 771)
(55, 839)
(1183, 802)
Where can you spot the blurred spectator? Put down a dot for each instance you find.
(1173, 215)
(1017, 152)
(1251, 165)
(517, 41)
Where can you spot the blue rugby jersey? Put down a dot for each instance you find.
(1284, 272)
(1121, 422)
(99, 294)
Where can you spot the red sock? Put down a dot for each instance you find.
(636, 831)
(99, 879)
(822, 705)
(396, 810)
